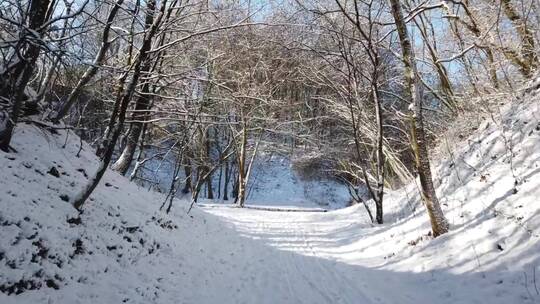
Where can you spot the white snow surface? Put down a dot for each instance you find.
(124, 250)
(274, 182)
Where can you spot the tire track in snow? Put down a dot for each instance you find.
(332, 274)
(281, 259)
(323, 279)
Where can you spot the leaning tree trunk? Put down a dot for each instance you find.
(439, 224)
(15, 78)
(139, 115)
(142, 105)
(122, 103)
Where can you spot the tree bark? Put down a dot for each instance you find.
(139, 115)
(142, 105)
(207, 159)
(187, 173)
(241, 198)
(439, 224)
(380, 153)
(226, 182)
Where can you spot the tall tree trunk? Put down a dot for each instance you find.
(209, 188)
(207, 160)
(220, 178)
(187, 173)
(371, 48)
(241, 198)
(354, 125)
(235, 189)
(380, 153)
(226, 182)
(439, 224)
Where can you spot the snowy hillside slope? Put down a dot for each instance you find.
(122, 249)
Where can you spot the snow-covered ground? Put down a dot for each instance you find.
(275, 183)
(123, 249)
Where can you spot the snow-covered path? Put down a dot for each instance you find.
(316, 258)
(295, 263)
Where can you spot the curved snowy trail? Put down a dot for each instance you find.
(303, 257)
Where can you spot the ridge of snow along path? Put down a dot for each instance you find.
(122, 250)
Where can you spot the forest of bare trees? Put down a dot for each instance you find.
(357, 91)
